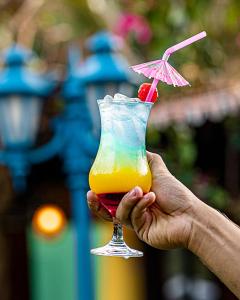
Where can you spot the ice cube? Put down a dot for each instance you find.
(140, 128)
(120, 97)
(121, 113)
(108, 98)
(124, 131)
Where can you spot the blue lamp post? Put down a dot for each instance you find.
(106, 72)
(80, 149)
(21, 97)
(74, 143)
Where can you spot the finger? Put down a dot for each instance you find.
(156, 163)
(93, 201)
(126, 205)
(141, 207)
(96, 206)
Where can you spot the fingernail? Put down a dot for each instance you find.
(132, 193)
(146, 197)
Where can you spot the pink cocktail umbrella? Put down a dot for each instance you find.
(161, 70)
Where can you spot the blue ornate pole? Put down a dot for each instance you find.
(77, 157)
(21, 95)
(73, 141)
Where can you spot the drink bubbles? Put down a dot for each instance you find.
(134, 113)
(127, 121)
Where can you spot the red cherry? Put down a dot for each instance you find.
(143, 92)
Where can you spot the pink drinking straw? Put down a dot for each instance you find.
(167, 54)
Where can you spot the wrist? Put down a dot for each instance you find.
(193, 217)
(204, 219)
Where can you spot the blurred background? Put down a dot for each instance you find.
(196, 130)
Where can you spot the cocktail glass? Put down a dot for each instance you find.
(121, 162)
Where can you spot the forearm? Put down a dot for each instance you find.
(216, 241)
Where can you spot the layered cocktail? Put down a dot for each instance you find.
(121, 162)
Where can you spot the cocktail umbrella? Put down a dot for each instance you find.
(161, 70)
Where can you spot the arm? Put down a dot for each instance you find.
(171, 216)
(216, 241)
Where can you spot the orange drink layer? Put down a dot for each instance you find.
(120, 177)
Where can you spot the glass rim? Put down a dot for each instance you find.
(123, 102)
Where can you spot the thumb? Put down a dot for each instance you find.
(156, 164)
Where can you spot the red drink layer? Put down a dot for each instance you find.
(111, 201)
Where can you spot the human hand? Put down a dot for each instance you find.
(163, 217)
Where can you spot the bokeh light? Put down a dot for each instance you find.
(49, 220)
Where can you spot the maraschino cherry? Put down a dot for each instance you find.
(143, 92)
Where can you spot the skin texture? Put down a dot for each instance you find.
(171, 216)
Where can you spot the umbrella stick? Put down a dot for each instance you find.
(151, 91)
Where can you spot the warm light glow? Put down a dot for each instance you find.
(98, 6)
(49, 220)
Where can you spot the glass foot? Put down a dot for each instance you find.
(117, 249)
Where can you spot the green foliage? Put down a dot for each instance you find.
(232, 126)
(152, 137)
(84, 21)
(177, 148)
(179, 151)
(173, 21)
(217, 196)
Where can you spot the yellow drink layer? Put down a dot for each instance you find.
(114, 182)
(121, 162)
(119, 173)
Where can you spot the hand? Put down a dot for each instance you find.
(163, 217)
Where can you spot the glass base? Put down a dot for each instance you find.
(117, 249)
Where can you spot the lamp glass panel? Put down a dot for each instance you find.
(19, 120)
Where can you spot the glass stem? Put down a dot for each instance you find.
(117, 232)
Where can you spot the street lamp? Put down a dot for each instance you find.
(21, 97)
(78, 152)
(105, 72)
